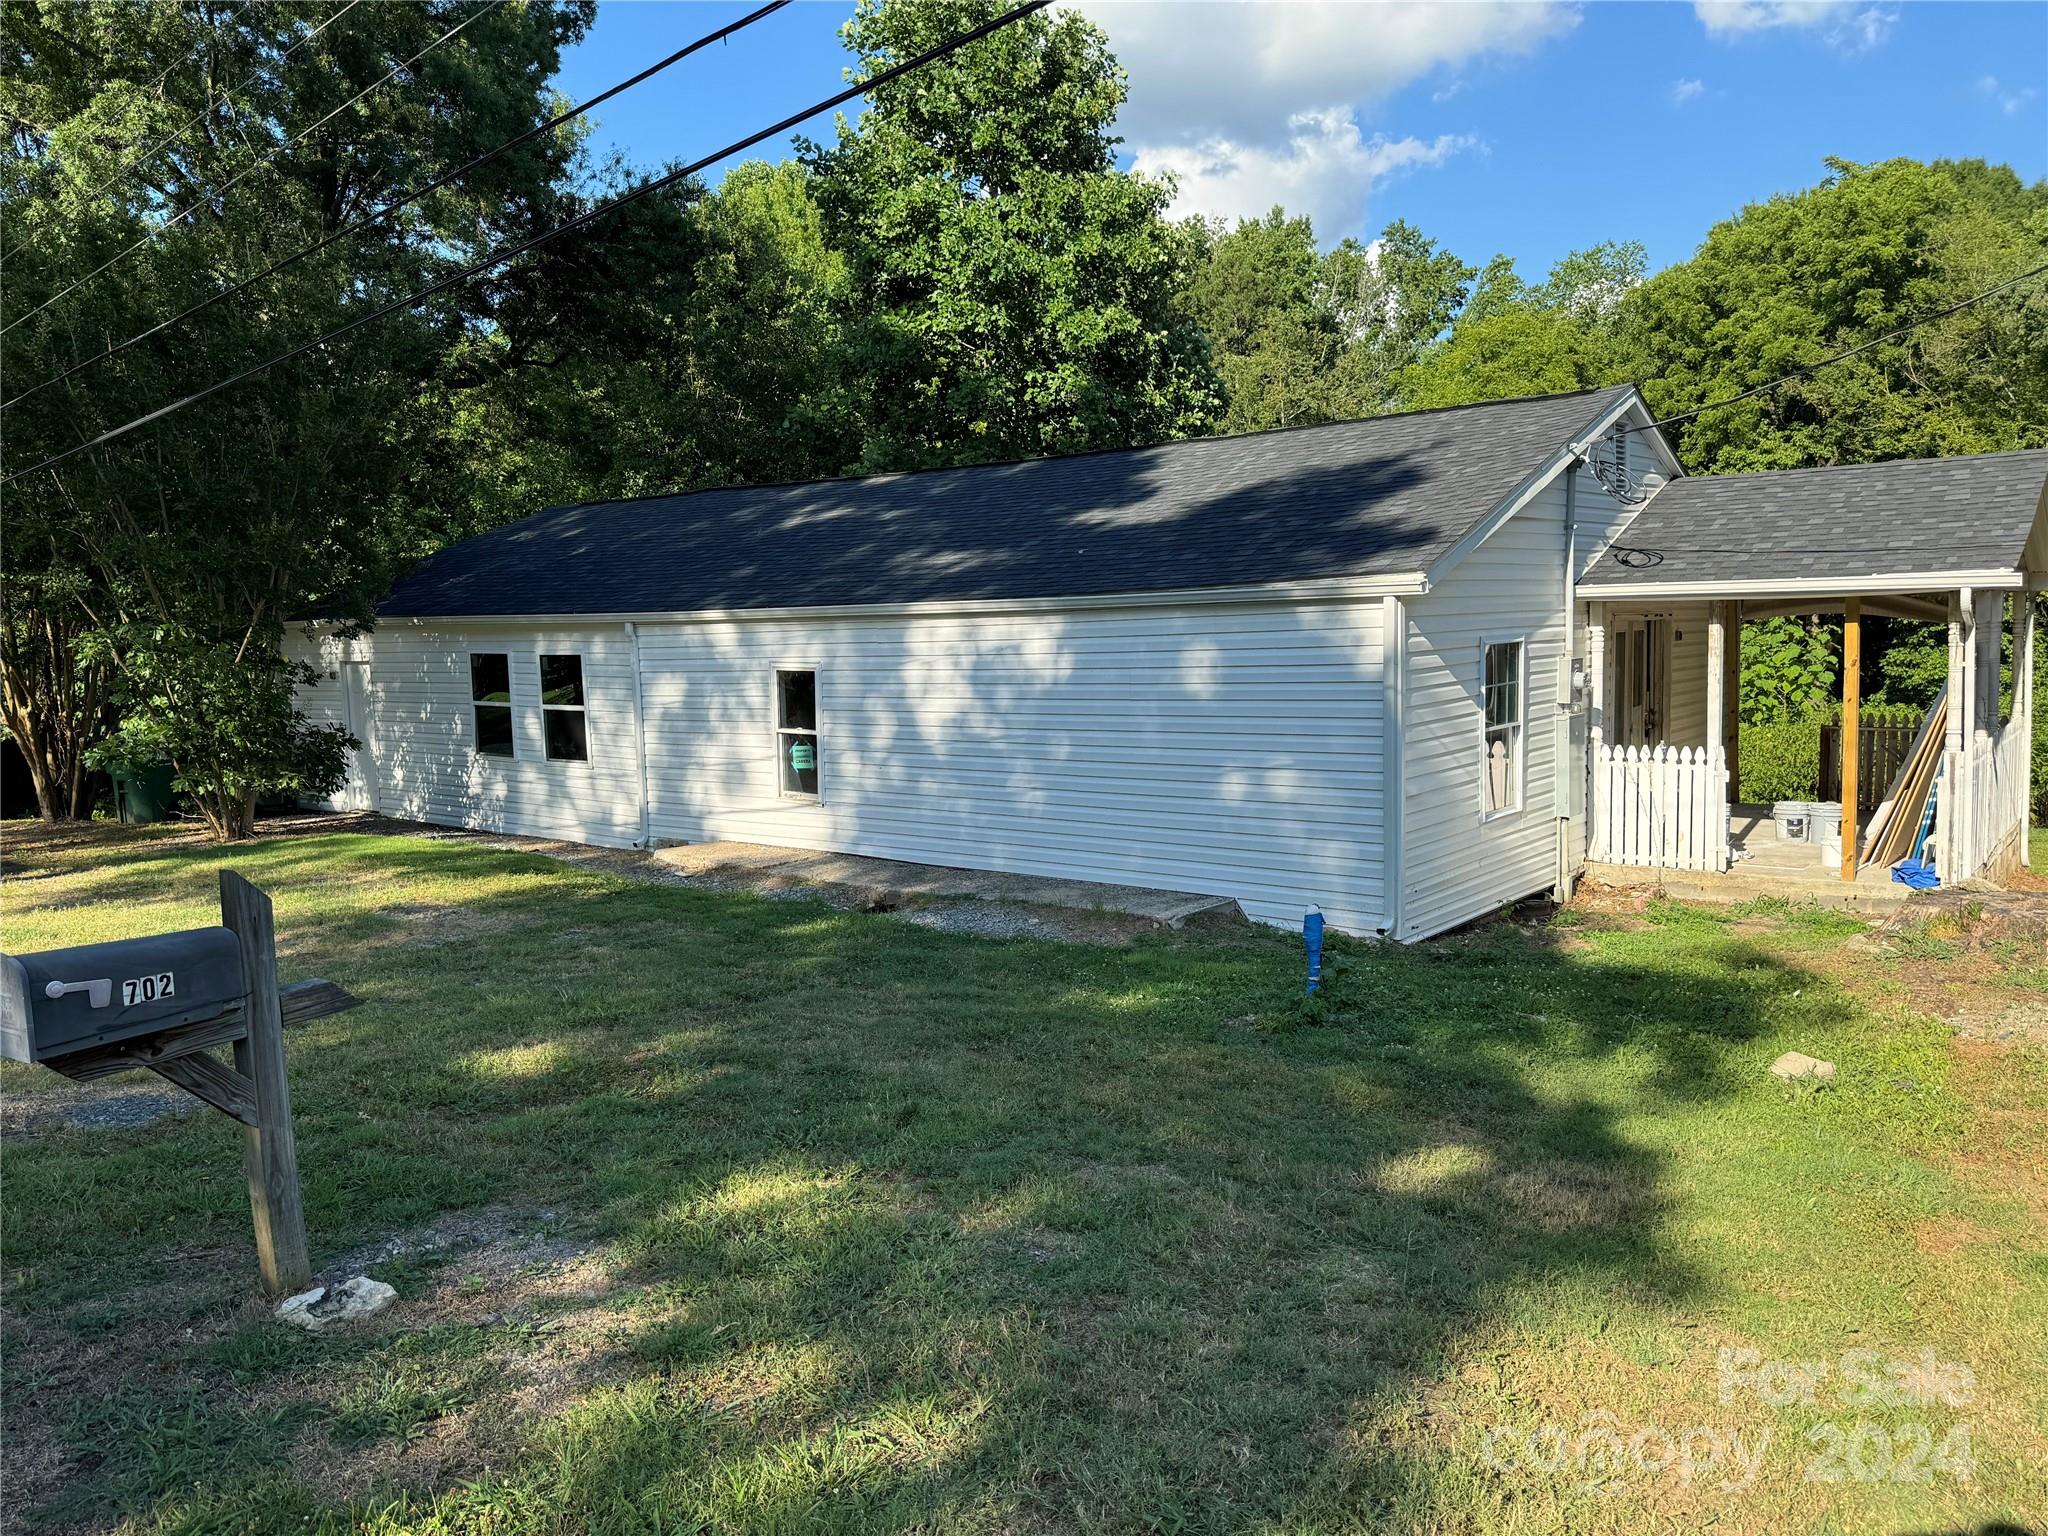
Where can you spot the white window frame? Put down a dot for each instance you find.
(1520, 764)
(779, 730)
(583, 709)
(510, 706)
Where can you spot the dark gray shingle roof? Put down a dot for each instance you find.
(1382, 496)
(1849, 520)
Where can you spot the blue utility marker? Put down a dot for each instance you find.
(1312, 936)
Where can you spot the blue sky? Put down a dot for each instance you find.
(1494, 125)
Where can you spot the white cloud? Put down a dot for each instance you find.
(1326, 169)
(1683, 91)
(1242, 72)
(2011, 100)
(1849, 25)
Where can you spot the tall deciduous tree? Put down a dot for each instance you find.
(215, 139)
(1790, 281)
(1514, 339)
(1303, 336)
(1008, 290)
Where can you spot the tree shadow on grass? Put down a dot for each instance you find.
(917, 1230)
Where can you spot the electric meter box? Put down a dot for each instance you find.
(66, 1000)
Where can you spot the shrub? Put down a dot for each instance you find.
(1780, 761)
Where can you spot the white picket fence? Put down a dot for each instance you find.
(1663, 807)
(1998, 770)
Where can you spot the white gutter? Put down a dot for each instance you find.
(1407, 583)
(1901, 582)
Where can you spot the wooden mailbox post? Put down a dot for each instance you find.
(253, 1090)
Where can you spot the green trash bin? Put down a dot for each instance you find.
(143, 794)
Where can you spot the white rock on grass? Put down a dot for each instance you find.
(335, 1306)
(1797, 1067)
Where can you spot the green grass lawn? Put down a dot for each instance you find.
(714, 1212)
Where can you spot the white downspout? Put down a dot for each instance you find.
(1565, 873)
(640, 737)
(1393, 693)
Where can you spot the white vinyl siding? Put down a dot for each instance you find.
(324, 701)
(1459, 863)
(422, 733)
(1228, 751)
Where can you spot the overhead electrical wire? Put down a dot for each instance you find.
(499, 258)
(249, 170)
(378, 214)
(205, 112)
(1841, 357)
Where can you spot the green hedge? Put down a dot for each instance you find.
(1781, 760)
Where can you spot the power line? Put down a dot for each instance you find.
(667, 179)
(1839, 357)
(205, 112)
(379, 214)
(249, 170)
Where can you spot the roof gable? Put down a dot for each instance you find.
(1385, 496)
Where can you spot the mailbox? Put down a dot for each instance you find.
(66, 1000)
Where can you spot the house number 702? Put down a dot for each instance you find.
(147, 989)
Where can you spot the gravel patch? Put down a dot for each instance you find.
(130, 1109)
(985, 920)
(59, 1104)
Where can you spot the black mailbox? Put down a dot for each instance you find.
(66, 1000)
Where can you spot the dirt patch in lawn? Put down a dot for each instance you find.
(501, 1317)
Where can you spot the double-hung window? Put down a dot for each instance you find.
(490, 693)
(564, 726)
(796, 732)
(1501, 695)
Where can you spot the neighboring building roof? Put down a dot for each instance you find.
(1848, 521)
(1384, 496)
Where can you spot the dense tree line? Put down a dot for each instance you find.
(961, 274)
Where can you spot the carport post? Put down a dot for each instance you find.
(1852, 700)
(268, 1152)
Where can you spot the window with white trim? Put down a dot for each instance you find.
(1501, 694)
(565, 729)
(796, 731)
(490, 696)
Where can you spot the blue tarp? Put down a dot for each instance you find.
(1916, 874)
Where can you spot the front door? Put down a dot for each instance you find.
(1642, 653)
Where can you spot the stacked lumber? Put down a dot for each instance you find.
(1897, 817)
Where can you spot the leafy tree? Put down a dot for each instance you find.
(1791, 668)
(226, 722)
(688, 340)
(1303, 336)
(1513, 339)
(220, 137)
(1008, 291)
(1793, 280)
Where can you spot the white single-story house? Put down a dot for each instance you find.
(1370, 667)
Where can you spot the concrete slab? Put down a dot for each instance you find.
(1745, 883)
(889, 882)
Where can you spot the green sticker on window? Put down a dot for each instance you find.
(803, 756)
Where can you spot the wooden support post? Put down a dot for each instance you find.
(268, 1152)
(1852, 702)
